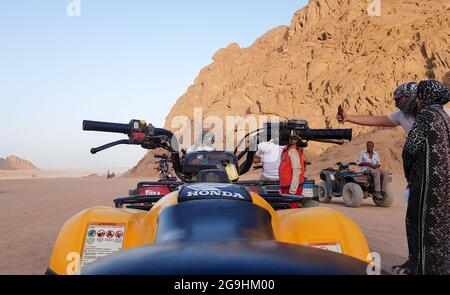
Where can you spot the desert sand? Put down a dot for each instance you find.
(33, 211)
(33, 174)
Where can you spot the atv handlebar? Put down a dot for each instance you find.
(149, 137)
(106, 127)
(326, 134)
(299, 128)
(288, 129)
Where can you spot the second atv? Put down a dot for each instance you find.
(352, 186)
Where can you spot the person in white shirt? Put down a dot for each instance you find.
(269, 153)
(370, 163)
(405, 97)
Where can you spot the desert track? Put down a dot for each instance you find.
(32, 212)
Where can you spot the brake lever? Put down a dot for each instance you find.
(108, 145)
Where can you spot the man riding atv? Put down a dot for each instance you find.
(354, 186)
(370, 163)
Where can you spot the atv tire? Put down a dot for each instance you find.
(322, 193)
(352, 194)
(388, 199)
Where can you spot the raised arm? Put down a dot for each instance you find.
(366, 120)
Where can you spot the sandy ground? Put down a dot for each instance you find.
(38, 174)
(33, 210)
(384, 228)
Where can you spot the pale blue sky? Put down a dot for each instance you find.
(119, 60)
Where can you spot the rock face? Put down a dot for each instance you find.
(332, 53)
(16, 163)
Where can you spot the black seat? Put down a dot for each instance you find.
(214, 219)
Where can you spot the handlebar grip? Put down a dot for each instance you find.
(312, 134)
(106, 127)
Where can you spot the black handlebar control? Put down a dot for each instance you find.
(133, 128)
(300, 129)
(106, 127)
(137, 131)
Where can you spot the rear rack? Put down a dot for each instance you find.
(119, 202)
(257, 182)
(277, 201)
(173, 184)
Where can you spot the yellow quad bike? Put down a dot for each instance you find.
(210, 224)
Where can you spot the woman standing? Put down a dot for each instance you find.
(426, 163)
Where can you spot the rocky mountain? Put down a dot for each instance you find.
(16, 163)
(332, 53)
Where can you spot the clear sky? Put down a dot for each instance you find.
(119, 60)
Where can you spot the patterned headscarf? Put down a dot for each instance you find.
(432, 92)
(408, 104)
(406, 89)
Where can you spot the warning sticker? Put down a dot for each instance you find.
(330, 246)
(102, 239)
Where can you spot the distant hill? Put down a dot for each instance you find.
(16, 163)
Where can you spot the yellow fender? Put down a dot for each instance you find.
(140, 229)
(317, 227)
(323, 227)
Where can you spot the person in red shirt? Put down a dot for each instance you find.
(292, 168)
